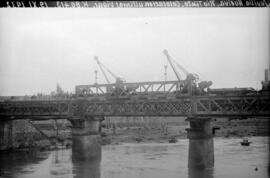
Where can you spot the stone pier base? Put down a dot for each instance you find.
(86, 147)
(86, 140)
(201, 145)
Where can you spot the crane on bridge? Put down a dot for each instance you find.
(119, 87)
(118, 80)
(190, 83)
(191, 86)
(157, 89)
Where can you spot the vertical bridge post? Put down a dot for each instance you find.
(2, 134)
(201, 145)
(6, 134)
(86, 138)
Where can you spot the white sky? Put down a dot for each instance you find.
(40, 47)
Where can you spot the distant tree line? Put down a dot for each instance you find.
(59, 93)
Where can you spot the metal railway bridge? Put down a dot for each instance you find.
(93, 102)
(147, 99)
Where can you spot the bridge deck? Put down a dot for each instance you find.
(203, 106)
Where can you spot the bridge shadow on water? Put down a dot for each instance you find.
(32, 164)
(92, 169)
(15, 161)
(13, 164)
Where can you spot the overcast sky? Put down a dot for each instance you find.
(40, 47)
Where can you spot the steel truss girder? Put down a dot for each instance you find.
(130, 89)
(34, 108)
(140, 108)
(201, 106)
(254, 105)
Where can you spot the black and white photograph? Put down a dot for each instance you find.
(134, 89)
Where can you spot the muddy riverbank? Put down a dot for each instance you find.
(51, 134)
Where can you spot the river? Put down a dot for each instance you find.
(143, 160)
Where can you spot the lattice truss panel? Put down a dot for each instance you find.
(248, 105)
(34, 108)
(129, 88)
(139, 108)
(226, 106)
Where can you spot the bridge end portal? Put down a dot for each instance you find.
(201, 144)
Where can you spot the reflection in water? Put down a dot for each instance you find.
(60, 163)
(11, 162)
(199, 173)
(86, 169)
(149, 160)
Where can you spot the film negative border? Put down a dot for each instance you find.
(134, 4)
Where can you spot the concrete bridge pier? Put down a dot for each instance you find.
(201, 145)
(86, 139)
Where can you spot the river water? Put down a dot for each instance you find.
(143, 160)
